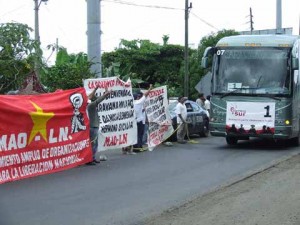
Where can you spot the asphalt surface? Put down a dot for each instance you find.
(269, 197)
(127, 189)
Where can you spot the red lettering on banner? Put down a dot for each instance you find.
(156, 93)
(114, 140)
(153, 135)
(101, 84)
(163, 129)
(156, 141)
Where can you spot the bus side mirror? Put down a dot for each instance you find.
(204, 62)
(295, 63)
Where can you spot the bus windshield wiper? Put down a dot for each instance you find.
(235, 90)
(270, 96)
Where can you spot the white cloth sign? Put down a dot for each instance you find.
(160, 124)
(247, 117)
(117, 126)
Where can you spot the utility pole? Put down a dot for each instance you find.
(299, 25)
(251, 21)
(94, 35)
(36, 21)
(186, 49)
(37, 4)
(278, 16)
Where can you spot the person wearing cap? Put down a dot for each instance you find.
(181, 113)
(94, 120)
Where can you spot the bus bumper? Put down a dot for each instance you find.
(281, 132)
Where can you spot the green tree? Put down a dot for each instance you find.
(143, 60)
(68, 72)
(165, 39)
(196, 72)
(212, 39)
(17, 55)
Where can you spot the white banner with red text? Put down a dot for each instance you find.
(160, 123)
(117, 124)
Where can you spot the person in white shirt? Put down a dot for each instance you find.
(181, 113)
(200, 100)
(207, 104)
(139, 100)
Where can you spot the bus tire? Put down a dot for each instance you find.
(231, 140)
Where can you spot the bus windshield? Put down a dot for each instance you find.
(251, 71)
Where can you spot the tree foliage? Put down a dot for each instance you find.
(140, 60)
(196, 72)
(160, 64)
(147, 61)
(212, 39)
(17, 55)
(68, 72)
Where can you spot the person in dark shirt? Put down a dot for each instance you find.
(94, 120)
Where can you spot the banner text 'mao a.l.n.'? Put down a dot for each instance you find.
(41, 134)
(160, 123)
(117, 126)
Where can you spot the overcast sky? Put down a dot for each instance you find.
(66, 19)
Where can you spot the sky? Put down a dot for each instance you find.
(66, 20)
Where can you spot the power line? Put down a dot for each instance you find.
(158, 7)
(13, 10)
(139, 5)
(207, 23)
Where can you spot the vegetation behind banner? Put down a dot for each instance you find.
(142, 61)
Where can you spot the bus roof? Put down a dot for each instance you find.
(258, 41)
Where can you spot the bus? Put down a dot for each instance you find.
(255, 87)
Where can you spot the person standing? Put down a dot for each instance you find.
(94, 121)
(139, 100)
(201, 100)
(207, 104)
(181, 113)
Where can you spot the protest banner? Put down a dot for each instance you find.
(42, 134)
(117, 127)
(160, 123)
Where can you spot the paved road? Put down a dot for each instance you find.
(127, 189)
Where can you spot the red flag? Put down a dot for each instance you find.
(41, 134)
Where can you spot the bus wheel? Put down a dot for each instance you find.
(231, 140)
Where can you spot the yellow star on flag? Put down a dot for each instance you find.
(39, 119)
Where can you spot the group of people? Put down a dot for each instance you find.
(93, 101)
(139, 100)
